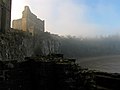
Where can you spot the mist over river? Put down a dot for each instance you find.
(104, 63)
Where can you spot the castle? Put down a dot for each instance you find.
(29, 22)
(24, 39)
(5, 15)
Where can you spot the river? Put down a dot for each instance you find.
(104, 63)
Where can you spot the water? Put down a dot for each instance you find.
(106, 63)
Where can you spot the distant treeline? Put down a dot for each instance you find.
(90, 47)
(72, 46)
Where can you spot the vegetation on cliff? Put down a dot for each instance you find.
(78, 47)
(90, 47)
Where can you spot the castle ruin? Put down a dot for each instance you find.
(5, 15)
(29, 22)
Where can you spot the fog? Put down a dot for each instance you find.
(90, 47)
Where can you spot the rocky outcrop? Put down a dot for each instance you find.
(15, 45)
(37, 74)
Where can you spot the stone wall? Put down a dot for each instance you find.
(31, 75)
(5, 15)
(17, 24)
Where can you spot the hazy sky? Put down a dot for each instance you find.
(74, 17)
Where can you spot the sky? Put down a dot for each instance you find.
(85, 18)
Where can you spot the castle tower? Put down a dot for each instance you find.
(29, 22)
(25, 18)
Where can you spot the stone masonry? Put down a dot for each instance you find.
(5, 15)
(29, 22)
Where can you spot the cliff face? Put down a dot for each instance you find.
(15, 45)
